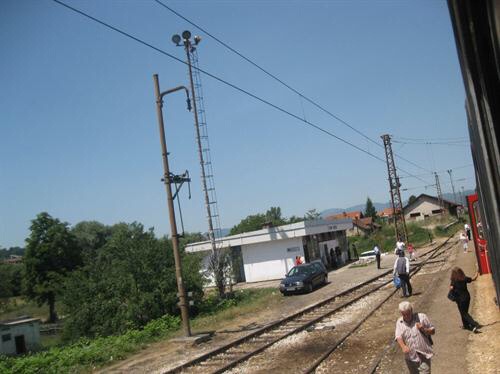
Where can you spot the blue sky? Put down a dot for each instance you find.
(78, 129)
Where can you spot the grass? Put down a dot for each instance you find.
(441, 231)
(17, 306)
(418, 234)
(87, 354)
(246, 302)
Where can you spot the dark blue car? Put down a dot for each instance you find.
(304, 277)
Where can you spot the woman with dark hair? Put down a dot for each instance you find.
(459, 285)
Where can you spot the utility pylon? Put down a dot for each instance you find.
(452, 186)
(439, 193)
(397, 204)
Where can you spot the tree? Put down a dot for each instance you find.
(51, 253)
(128, 283)
(370, 210)
(312, 215)
(412, 199)
(250, 223)
(90, 236)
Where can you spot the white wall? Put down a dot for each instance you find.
(271, 260)
(31, 332)
(424, 207)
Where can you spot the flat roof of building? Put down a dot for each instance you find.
(290, 231)
(18, 321)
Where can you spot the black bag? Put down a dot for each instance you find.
(429, 338)
(452, 295)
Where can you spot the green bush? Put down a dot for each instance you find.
(86, 353)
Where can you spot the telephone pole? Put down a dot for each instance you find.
(169, 178)
(397, 204)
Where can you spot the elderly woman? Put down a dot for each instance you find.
(413, 331)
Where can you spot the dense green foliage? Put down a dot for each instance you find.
(51, 253)
(445, 231)
(87, 353)
(6, 252)
(311, 215)
(11, 279)
(385, 238)
(129, 282)
(254, 222)
(370, 210)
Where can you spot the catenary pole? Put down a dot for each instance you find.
(170, 202)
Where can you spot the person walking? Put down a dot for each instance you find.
(298, 261)
(376, 251)
(413, 334)
(402, 270)
(462, 297)
(400, 247)
(465, 241)
(467, 230)
(411, 252)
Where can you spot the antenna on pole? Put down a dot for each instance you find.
(394, 185)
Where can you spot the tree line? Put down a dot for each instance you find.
(106, 279)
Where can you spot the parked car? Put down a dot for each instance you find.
(367, 255)
(304, 277)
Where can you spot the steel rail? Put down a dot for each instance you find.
(283, 321)
(389, 346)
(326, 354)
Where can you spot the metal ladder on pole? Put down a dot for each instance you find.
(205, 143)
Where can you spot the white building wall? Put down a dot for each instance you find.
(424, 207)
(271, 260)
(31, 332)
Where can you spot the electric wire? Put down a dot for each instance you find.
(265, 71)
(254, 96)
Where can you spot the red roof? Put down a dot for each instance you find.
(354, 215)
(387, 212)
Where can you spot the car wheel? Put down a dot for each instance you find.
(309, 288)
(285, 293)
(325, 279)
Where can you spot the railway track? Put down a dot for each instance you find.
(233, 354)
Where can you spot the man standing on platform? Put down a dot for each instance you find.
(376, 251)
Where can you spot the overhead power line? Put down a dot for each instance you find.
(254, 96)
(273, 76)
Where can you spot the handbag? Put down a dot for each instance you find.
(452, 295)
(397, 282)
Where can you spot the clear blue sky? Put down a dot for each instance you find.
(78, 129)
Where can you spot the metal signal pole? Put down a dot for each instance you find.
(439, 193)
(452, 186)
(397, 204)
(168, 178)
(189, 48)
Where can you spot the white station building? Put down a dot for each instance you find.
(270, 253)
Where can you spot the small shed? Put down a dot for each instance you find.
(19, 335)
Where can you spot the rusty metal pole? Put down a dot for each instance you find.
(170, 202)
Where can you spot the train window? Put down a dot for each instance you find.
(479, 221)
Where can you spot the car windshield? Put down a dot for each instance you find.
(299, 270)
